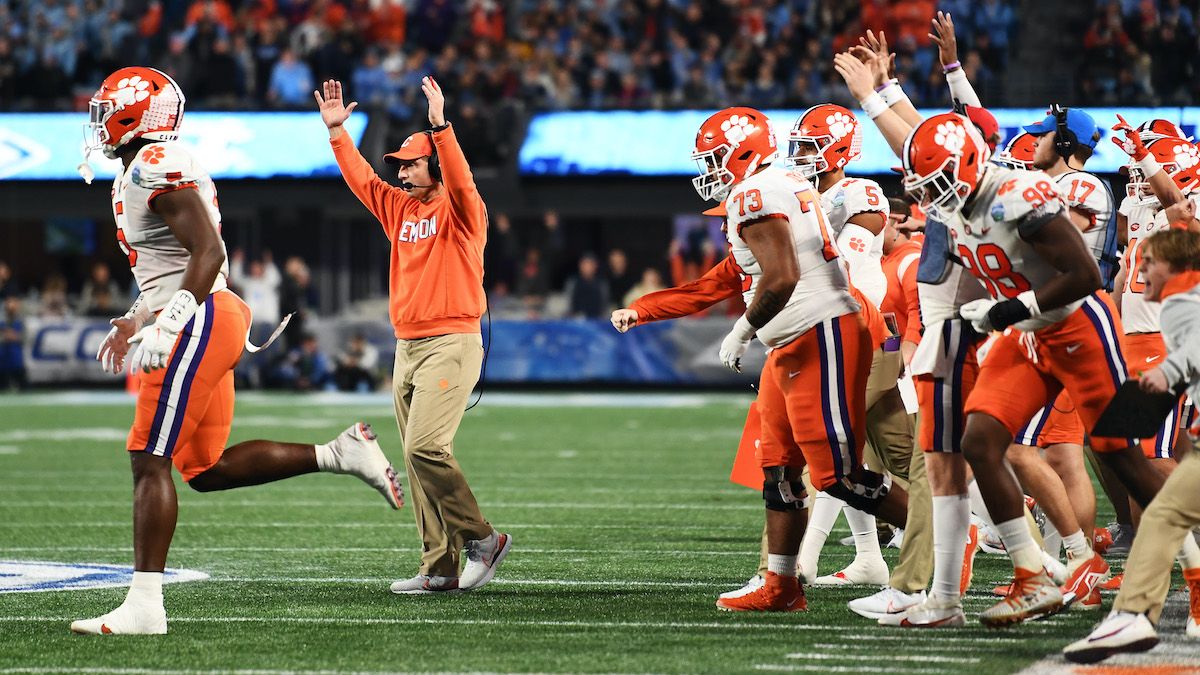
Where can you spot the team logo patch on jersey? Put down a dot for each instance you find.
(136, 176)
(839, 198)
(23, 576)
(998, 212)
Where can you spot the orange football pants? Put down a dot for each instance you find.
(1145, 351)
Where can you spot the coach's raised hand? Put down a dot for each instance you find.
(437, 102)
(333, 112)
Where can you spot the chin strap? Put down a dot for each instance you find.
(253, 349)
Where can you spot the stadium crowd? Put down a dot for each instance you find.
(1142, 53)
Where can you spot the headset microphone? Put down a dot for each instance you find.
(409, 186)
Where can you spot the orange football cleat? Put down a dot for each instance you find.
(779, 593)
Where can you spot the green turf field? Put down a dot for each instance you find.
(625, 530)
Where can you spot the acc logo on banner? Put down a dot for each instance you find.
(20, 576)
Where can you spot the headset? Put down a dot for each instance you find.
(1064, 139)
(435, 167)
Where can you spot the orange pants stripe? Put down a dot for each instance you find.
(812, 400)
(185, 411)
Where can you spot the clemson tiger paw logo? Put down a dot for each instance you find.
(152, 154)
(951, 136)
(840, 125)
(737, 128)
(132, 89)
(857, 244)
(1186, 156)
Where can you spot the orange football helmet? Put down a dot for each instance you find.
(134, 102)
(1153, 130)
(1018, 152)
(1178, 158)
(835, 133)
(730, 146)
(943, 157)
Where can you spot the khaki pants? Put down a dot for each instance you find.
(432, 380)
(1168, 519)
(912, 572)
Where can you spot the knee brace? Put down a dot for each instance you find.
(783, 494)
(864, 493)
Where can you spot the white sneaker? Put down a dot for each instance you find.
(756, 582)
(897, 539)
(125, 620)
(1055, 568)
(887, 601)
(356, 452)
(1120, 632)
(425, 584)
(482, 557)
(933, 613)
(989, 539)
(873, 573)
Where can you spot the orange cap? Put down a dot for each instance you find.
(413, 147)
(718, 210)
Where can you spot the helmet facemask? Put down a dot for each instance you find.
(939, 194)
(808, 165)
(715, 180)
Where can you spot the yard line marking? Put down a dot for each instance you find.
(244, 671)
(372, 504)
(358, 549)
(511, 582)
(341, 526)
(889, 657)
(820, 667)
(462, 622)
(940, 639)
(9, 449)
(976, 643)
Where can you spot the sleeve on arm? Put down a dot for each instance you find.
(1181, 317)
(961, 89)
(161, 168)
(459, 183)
(907, 274)
(717, 284)
(381, 199)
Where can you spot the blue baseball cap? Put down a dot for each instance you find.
(1078, 122)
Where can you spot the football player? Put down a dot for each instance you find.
(800, 305)
(169, 226)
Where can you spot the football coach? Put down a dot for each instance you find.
(437, 224)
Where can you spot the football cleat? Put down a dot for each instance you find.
(1055, 568)
(1122, 539)
(356, 452)
(1086, 573)
(1092, 601)
(933, 613)
(873, 572)
(1113, 584)
(125, 620)
(1101, 540)
(1120, 632)
(424, 584)
(778, 594)
(1033, 594)
(989, 540)
(756, 582)
(968, 567)
(482, 558)
(887, 601)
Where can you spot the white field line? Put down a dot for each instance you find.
(669, 625)
(363, 549)
(244, 671)
(342, 526)
(479, 486)
(824, 668)
(374, 504)
(875, 657)
(940, 638)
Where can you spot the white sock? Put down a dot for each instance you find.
(1018, 541)
(821, 517)
(145, 590)
(1189, 555)
(978, 507)
(951, 524)
(325, 459)
(1076, 544)
(866, 538)
(783, 565)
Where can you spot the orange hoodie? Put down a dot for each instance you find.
(436, 280)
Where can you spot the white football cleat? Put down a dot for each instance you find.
(872, 572)
(756, 582)
(125, 620)
(1055, 568)
(887, 601)
(1120, 632)
(425, 584)
(482, 557)
(1031, 595)
(933, 613)
(989, 539)
(356, 452)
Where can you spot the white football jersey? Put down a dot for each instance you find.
(156, 257)
(987, 232)
(1088, 193)
(1138, 315)
(823, 291)
(844, 200)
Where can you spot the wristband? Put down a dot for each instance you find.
(1028, 299)
(893, 95)
(139, 311)
(873, 105)
(743, 328)
(178, 311)
(887, 84)
(1148, 165)
(951, 66)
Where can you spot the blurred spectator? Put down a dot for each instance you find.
(587, 291)
(99, 290)
(297, 298)
(261, 293)
(358, 366)
(304, 368)
(103, 306)
(291, 83)
(12, 340)
(533, 281)
(650, 282)
(54, 296)
(620, 277)
(8, 287)
(502, 254)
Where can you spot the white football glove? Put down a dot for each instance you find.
(991, 315)
(976, 311)
(154, 343)
(736, 343)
